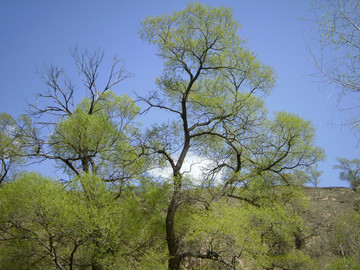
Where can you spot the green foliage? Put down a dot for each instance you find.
(257, 235)
(314, 175)
(346, 237)
(34, 214)
(288, 143)
(299, 178)
(350, 171)
(202, 51)
(11, 146)
(101, 141)
(44, 225)
(345, 263)
(215, 88)
(112, 214)
(302, 177)
(190, 28)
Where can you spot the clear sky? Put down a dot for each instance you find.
(38, 32)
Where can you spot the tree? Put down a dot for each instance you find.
(299, 177)
(93, 137)
(11, 147)
(350, 171)
(314, 176)
(309, 176)
(110, 212)
(346, 239)
(338, 23)
(96, 133)
(214, 87)
(45, 225)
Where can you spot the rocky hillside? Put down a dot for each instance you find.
(327, 207)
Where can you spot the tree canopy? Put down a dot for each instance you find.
(215, 87)
(112, 210)
(350, 171)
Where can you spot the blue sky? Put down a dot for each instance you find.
(34, 33)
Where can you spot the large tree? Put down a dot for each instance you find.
(214, 88)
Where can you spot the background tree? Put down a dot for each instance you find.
(214, 88)
(350, 171)
(314, 175)
(11, 147)
(302, 178)
(299, 177)
(338, 23)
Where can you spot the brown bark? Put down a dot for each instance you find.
(172, 241)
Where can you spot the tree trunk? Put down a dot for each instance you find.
(172, 241)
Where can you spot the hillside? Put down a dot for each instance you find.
(327, 206)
